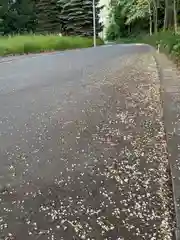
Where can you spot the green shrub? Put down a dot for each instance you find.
(112, 32)
(167, 41)
(39, 43)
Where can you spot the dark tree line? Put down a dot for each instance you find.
(70, 17)
(17, 16)
(76, 17)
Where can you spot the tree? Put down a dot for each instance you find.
(137, 14)
(16, 16)
(47, 13)
(77, 18)
(117, 27)
(6, 16)
(1, 18)
(175, 15)
(25, 18)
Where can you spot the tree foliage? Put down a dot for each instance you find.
(70, 17)
(77, 17)
(144, 16)
(16, 16)
(48, 16)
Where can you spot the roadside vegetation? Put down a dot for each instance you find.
(155, 22)
(33, 26)
(167, 42)
(17, 45)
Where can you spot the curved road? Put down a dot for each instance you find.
(82, 150)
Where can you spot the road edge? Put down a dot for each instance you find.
(10, 58)
(7, 59)
(169, 91)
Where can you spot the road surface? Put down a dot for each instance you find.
(82, 147)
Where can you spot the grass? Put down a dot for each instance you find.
(17, 45)
(128, 40)
(168, 42)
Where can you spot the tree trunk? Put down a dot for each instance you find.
(155, 16)
(150, 20)
(165, 15)
(175, 16)
(170, 14)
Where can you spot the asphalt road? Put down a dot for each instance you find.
(82, 147)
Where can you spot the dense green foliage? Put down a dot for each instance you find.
(139, 17)
(77, 17)
(40, 43)
(17, 16)
(70, 17)
(168, 42)
(34, 25)
(48, 16)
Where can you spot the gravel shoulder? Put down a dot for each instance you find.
(90, 161)
(170, 92)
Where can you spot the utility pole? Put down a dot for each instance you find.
(94, 22)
